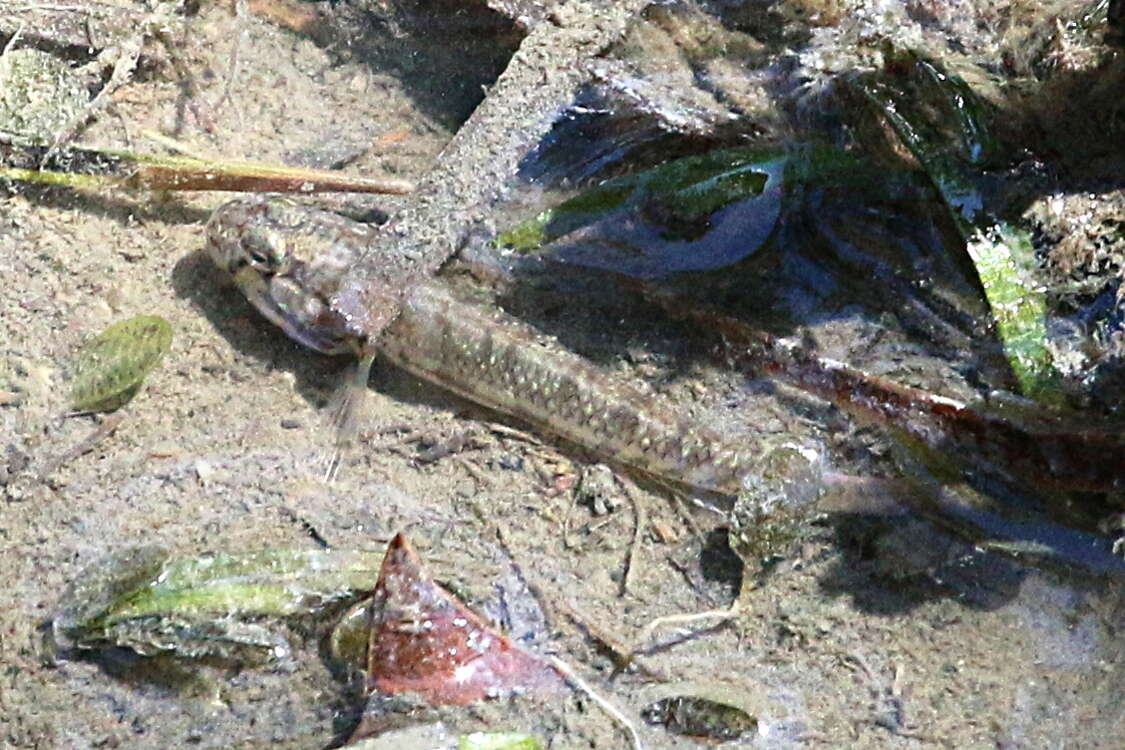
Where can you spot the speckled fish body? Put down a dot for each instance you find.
(291, 262)
(505, 365)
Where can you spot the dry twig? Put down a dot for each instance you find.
(603, 703)
(640, 520)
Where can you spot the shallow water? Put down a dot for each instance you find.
(878, 631)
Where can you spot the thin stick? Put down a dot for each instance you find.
(623, 657)
(233, 65)
(611, 710)
(681, 619)
(640, 520)
(174, 145)
(87, 444)
(11, 43)
(133, 171)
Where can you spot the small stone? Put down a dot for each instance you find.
(510, 462)
(597, 489)
(204, 470)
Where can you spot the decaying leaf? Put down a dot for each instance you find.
(423, 641)
(698, 716)
(213, 605)
(347, 643)
(110, 368)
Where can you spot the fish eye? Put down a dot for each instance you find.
(256, 252)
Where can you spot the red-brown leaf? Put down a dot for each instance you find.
(424, 641)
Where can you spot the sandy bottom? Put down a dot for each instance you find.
(222, 452)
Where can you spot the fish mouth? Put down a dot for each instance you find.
(256, 289)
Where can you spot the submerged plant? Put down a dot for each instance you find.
(111, 367)
(211, 606)
(946, 128)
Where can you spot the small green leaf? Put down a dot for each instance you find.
(499, 741)
(1005, 260)
(110, 369)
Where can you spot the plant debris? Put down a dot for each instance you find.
(211, 606)
(424, 641)
(111, 367)
(701, 717)
(946, 127)
(98, 170)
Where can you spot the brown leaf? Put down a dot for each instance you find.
(424, 641)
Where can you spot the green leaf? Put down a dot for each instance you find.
(140, 598)
(685, 189)
(110, 368)
(1005, 261)
(499, 741)
(936, 115)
